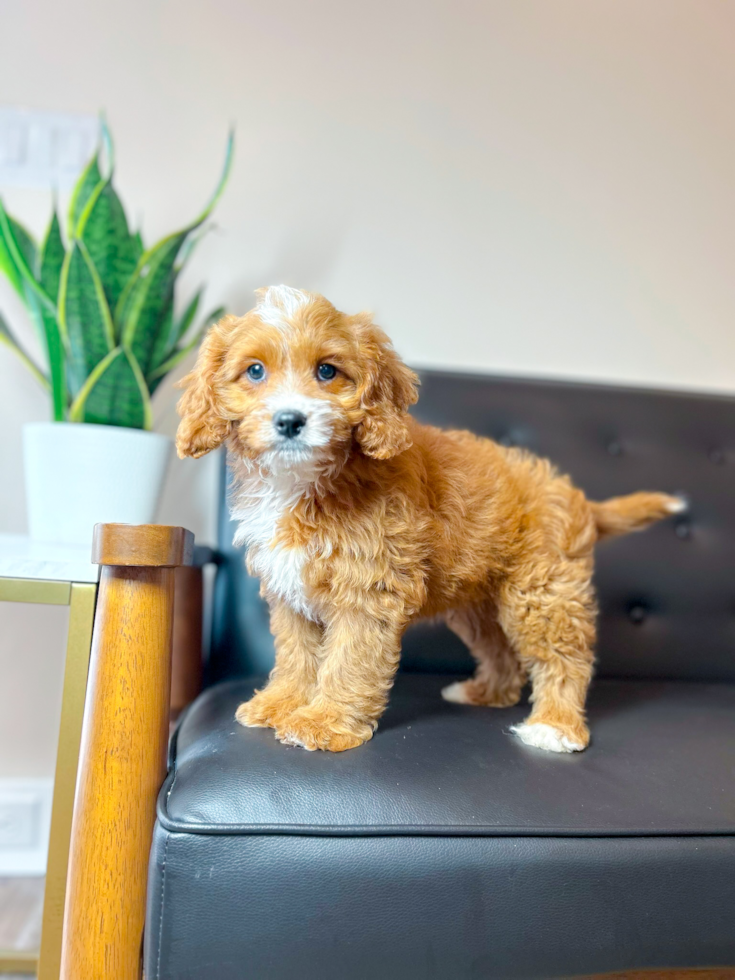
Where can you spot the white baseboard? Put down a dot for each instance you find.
(25, 818)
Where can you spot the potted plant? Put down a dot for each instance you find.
(103, 307)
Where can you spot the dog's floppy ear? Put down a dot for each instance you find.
(202, 427)
(388, 389)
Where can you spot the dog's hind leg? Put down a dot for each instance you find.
(552, 626)
(499, 678)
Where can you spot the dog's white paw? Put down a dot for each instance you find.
(456, 693)
(546, 737)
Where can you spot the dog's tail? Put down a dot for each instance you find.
(621, 515)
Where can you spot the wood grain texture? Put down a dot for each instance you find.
(186, 676)
(142, 545)
(122, 763)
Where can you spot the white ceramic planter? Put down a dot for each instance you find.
(78, 475)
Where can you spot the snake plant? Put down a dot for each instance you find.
(101, 302)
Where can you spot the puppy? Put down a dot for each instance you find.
(359, 521)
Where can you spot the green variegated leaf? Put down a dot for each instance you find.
(51, 260)
(8, 339)
(29, 251)
(19, 260)
(164, 341)
(27, 248)
(8, 267)
(83, 190)
(103, 228)
(22, 244)
(78, 406)
(156, 376)
(17, 251)
(153, 385)
(145, 394)
(112, 394)
(84, 316)
(172, 330)
(26, 244)
(176, 358)
(142, 308)
(47, 327)
(188, 316)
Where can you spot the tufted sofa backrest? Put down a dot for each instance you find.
(667, 596)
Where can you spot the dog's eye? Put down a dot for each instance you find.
(256, 372)
(325, 372)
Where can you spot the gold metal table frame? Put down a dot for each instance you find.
(81, 599)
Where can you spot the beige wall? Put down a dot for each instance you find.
(531, 187)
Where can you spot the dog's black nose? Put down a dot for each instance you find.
(289, 424)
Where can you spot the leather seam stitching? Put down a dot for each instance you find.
(160, 917)
(172, 749)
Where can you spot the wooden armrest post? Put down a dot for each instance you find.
(186, 663)
(123, 750)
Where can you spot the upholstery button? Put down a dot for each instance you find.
(614, 448)
(518, 437)
(717, 457)
(637, 614)
(683, 529)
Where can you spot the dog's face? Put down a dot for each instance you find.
(296, 381)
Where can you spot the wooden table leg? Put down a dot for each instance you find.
(123, 753)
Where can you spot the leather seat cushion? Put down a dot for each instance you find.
(285, 907)
(445, 848)
(661, 762)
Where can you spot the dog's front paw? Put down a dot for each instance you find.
(311, 729)
(264, 711)
(251, 715)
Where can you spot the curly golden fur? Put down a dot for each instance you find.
(359, 521)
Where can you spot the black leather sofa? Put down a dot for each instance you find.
(445, 848)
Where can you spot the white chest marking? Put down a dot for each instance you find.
(258, 507)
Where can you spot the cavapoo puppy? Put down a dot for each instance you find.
(359, 521)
